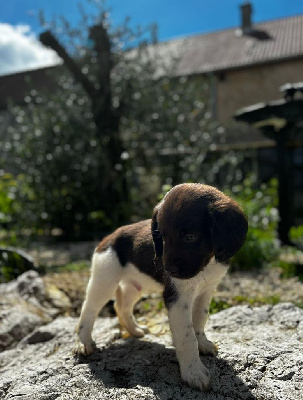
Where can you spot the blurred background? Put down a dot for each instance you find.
(104, 105)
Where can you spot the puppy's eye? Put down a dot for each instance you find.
(190, 238)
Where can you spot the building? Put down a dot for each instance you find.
(247, 64)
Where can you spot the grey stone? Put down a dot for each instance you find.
(27, 303)
(260, 357)
(39, 336)
(17, 322)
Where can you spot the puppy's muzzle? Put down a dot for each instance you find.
(174, 267)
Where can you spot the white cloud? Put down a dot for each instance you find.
(20, 50)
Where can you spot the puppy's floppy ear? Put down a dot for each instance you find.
(228, 228)
(157, 237)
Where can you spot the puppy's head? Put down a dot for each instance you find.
(193, 223)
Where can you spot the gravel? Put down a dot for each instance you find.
(253, 288)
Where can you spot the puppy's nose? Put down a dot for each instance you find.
(171, 269)
(178, 262)
(173, 266)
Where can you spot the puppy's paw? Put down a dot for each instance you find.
(139, 331)
(196, 376)
(84, 349)
(207, 347)
(133, 328)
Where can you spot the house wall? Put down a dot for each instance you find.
(244, 87)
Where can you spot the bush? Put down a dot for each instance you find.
(296, 234)
(13, 262)
(14, 194)
(260, 205)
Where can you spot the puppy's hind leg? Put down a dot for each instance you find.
(128, 293)
(105, 276)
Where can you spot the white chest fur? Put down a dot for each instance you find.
(206, 281)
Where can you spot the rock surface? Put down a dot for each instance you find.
(260, 357)
(25, 304)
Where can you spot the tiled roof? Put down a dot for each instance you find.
(270, 41)
(16, 86)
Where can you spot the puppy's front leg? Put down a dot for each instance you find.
(200, 315)
(180, 307)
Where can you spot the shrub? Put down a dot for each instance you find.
(296, 235)
(13, 262)
(14, 194)
(260, 205)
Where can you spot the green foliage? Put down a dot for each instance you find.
(57, 159)
(262, 247)
(13, 263)
(14, 193)
(288, 269)
(72, 267)
(173, 130)
(257, 301)
(259, 203)
(296, 234)
(217, 305)
(167, 138)
(7, 195)
(160, 305)
(291, 262)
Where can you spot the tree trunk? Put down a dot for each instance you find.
(112, 188)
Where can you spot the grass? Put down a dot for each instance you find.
(257, 301)
(218, 304)
(76, 266)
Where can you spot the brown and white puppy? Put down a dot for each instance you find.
(183, 251)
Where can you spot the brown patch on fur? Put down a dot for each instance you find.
(133, 244)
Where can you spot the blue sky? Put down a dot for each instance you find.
(19, 24)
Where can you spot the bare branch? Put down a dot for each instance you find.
(48, 40)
